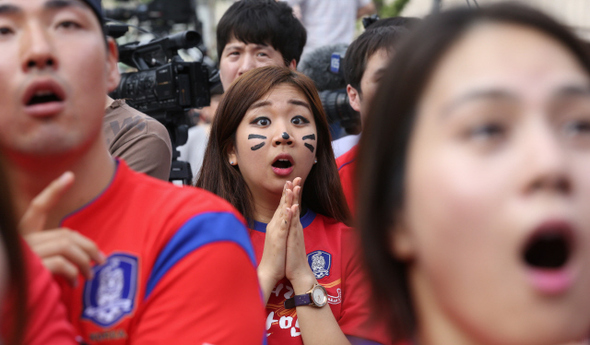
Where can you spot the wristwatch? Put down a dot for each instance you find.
(316, 297)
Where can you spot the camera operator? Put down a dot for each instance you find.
(250, 34)
(257, 33)
(324, 67)
(140, 140)
(365, 62)
(166, 87)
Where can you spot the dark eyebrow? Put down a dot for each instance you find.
(51, 4)
(261, 45)
(300, 103)
(291, 101)
(9, 9)
(259, 105)
(490, 94)
(57, 4)
(573, 90)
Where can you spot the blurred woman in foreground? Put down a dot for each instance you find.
(475, 184)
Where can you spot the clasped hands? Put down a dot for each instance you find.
(284, 252)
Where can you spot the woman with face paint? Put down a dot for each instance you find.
(269, 154)
(474, 186)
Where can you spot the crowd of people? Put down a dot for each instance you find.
(459, 217)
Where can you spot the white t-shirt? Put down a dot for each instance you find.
(328, 21)
(344, 144)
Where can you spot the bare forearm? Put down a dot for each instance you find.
(266, 285)
(318, 326)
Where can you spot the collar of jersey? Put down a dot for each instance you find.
(306, 219)
(115, 174)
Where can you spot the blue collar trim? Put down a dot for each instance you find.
(306, 220)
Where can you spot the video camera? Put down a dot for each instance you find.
(335, 102)
(165, 87)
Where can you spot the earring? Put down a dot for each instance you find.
(315, 161)
(231, 162)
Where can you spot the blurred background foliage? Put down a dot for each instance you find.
(388, 9)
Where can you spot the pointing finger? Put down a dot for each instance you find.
(36, 215)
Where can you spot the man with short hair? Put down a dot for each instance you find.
(257, 33)
(364, 64)
(162, 264)
(250, 34)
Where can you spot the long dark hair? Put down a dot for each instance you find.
(17, 287)
(384, 144)
(322, 191)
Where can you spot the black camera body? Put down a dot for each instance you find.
(165, 87)
(164, 84)
(166, 90)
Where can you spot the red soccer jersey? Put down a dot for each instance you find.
(180, 268)
(333, 256)
(346, 164)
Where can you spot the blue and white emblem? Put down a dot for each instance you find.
(320, 263)
(110, 295)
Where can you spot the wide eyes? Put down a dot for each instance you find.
(263, 121)
(4, 31)
(299, 120)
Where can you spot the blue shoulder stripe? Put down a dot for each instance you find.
(198, 231)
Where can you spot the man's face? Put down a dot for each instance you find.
(55, 74)
(238, 58)
(376, 65)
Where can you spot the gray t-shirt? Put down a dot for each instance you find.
(140, 140)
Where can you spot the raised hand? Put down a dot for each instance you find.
(63, 251)
(272, 264)
(297, 268)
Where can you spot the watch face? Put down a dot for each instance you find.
(320, 297)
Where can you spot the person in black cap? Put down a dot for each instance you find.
(138, 260)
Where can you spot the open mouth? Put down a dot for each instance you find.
(41, 97)
(548, 249)
(282, 164)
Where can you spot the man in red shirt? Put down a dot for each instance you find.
(138, 260)
(364, 64)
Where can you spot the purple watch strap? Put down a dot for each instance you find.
(298, 300)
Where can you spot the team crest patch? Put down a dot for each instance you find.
(320, 263)
(110, 295)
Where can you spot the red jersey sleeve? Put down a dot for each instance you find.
(209, 297)
(47, 322)
(357, 319)
(346, 170)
